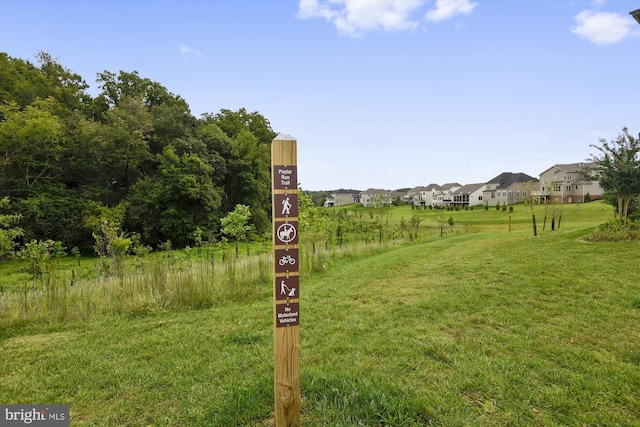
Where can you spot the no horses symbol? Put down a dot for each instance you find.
(286, 233)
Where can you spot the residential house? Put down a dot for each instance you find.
(399, 197)
(570, 183)
(444, 197)
(374, 197)
(413, 195)
(508, 188)
(342, 197)
(430, 195)
(426, 196)
(468, 195)
(378, 198)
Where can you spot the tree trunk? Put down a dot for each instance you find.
(620, 202)
(625, 209)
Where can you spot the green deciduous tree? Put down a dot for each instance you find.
(38, 256)
(65, 155)
(9, 231)
(171, 116)
(249, 178)
(125, 144)
(236, 224)
(248, 175)
(173, 204)
(111, 243)
(31, 144)
(22, 82)
(233, 122)
(619, 170)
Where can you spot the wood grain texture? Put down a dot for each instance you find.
(286, 338)
(284, 150)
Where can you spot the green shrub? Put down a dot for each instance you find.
(614, 231)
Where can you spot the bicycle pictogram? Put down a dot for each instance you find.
(287, 259)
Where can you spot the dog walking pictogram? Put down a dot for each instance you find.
(285, 290)
(287, 287)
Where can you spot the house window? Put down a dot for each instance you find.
(479, 197)
(556, 188)
(576, 187)
(568, 188)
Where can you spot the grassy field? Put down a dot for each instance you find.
(480, 327)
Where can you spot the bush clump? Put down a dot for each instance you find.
(614, 231)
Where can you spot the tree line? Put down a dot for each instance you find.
(133, 155)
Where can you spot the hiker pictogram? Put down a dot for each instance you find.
(286, 206)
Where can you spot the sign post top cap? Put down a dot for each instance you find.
(284, 137)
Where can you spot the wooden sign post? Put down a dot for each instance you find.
(286, 289)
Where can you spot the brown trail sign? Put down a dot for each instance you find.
(286, 289)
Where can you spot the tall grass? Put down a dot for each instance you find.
(163, 282)
(184, 280)
(159, 283)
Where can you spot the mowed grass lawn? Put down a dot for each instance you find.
(487, 328)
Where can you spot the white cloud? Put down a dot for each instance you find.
(187, 51)
(447, 9)
(355, 17)
(603, 28)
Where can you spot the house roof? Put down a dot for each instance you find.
(376, 191)
(450, 185)
(343, 191)
(573, 167)
(417, 189)
(469, 188)
(507, 179)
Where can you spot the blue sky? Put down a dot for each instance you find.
(378, 93)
